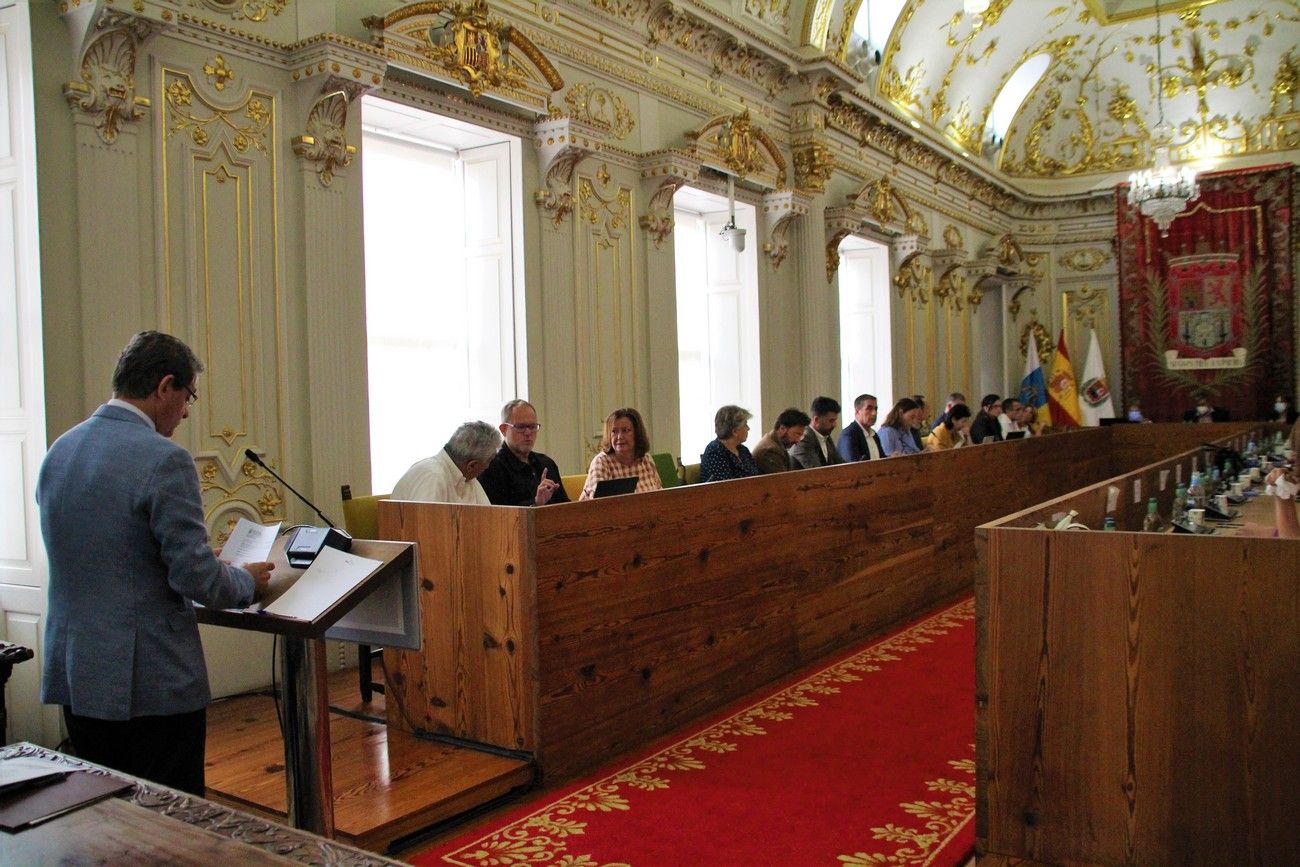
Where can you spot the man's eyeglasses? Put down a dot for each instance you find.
(193, 398)
(525, 428)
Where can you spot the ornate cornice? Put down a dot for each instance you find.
(664, 173)
(779, 210)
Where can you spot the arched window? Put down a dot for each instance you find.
(1013, 93)
(871, 29)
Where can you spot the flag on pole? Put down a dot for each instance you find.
(1094, 393)
(1033, 388)
(1062, 390)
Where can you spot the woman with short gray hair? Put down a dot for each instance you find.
(726, 457)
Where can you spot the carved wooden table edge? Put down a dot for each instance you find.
(276, 839)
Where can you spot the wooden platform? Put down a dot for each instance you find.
(387, 783)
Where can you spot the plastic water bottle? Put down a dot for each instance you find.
(1109, 523)
(1179, 515)
(1196, 493)
(1151, 523)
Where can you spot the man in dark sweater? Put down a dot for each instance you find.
(518, 475)
(986, 425)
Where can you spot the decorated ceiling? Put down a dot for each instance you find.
(1229, 76)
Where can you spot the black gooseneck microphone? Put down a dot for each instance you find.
(306, 542)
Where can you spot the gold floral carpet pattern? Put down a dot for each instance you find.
(873, 800)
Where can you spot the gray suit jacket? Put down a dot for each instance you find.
(123, 524)
(806, 454)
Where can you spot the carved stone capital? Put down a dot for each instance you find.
(105, 84)
(813, 165)
(562, 143)
(663, 173)
(779, 212)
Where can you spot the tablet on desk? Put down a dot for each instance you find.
(1015, 434)
(614, 487)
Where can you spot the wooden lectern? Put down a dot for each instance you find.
(307, 761)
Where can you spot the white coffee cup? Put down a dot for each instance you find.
(1221, 503)
(1236, 489)
(1254, 474)
(1196, 516)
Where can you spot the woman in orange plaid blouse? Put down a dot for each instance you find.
(624, 451)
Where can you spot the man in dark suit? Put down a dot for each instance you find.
(772, 454)
(128, 549)
(858, 442)
(816, 448)
(986, 425)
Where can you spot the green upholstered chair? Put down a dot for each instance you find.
(667, 468)
(361, 520)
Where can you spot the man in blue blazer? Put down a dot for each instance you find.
(129, 554)
(858, 441)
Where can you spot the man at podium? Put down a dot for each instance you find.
(122, 519)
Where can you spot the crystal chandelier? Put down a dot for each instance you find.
(1162, 192)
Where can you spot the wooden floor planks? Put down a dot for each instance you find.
(387, 783)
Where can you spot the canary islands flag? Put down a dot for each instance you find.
(1033, 388)
(1063, 389)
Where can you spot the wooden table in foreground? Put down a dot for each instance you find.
(152, 824)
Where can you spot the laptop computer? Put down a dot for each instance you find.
(614, 487)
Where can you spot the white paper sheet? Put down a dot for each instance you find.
(250, 543)
(329, 577)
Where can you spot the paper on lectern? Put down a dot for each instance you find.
(328, 578)
(249, 542)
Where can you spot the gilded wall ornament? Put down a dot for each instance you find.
(1035, 331)
(664, 173)
(773, 13)
(601, 108)
(325, 142)
(218, 73)
(913, 281)
(1083, 259)
(106, 89)
(252, 10)
(467, 45)
(628, 10)
(249, 121)
(813, 166)
(952, 237)
(561, 145)
(951, 289)
(1087, 306)
(740, 147)
(234, 491)
(721, 50)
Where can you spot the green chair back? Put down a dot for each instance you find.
(667, 468)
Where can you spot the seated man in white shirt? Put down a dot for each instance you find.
(451, 476)
(1011, 414)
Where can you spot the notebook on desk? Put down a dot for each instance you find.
(614, 487)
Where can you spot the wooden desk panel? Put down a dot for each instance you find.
(1136, 695)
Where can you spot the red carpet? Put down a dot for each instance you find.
(867, 761)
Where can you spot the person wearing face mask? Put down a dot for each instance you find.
(1204, 412)
(1135, 414)
(1283, 410)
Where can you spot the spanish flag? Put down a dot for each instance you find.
(1062, 389)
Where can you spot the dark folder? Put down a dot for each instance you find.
(22, 809)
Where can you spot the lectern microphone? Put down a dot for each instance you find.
(306, 542)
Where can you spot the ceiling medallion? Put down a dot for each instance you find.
(1162, 192)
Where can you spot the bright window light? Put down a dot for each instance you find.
(875, 21)
(1014, 92)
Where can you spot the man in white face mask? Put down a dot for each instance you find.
(1283, 410)
(1203, 412)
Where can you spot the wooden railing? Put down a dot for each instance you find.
(576, 632)
(1136, 693)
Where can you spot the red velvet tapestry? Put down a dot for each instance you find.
(1210, 306)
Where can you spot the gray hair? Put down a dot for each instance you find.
(473, 441)
(728, 418)
(148, 358)
(512, 405)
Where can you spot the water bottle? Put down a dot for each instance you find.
(1109, 523)
(1196, 493)
(1179, 515)
(1151, 523)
